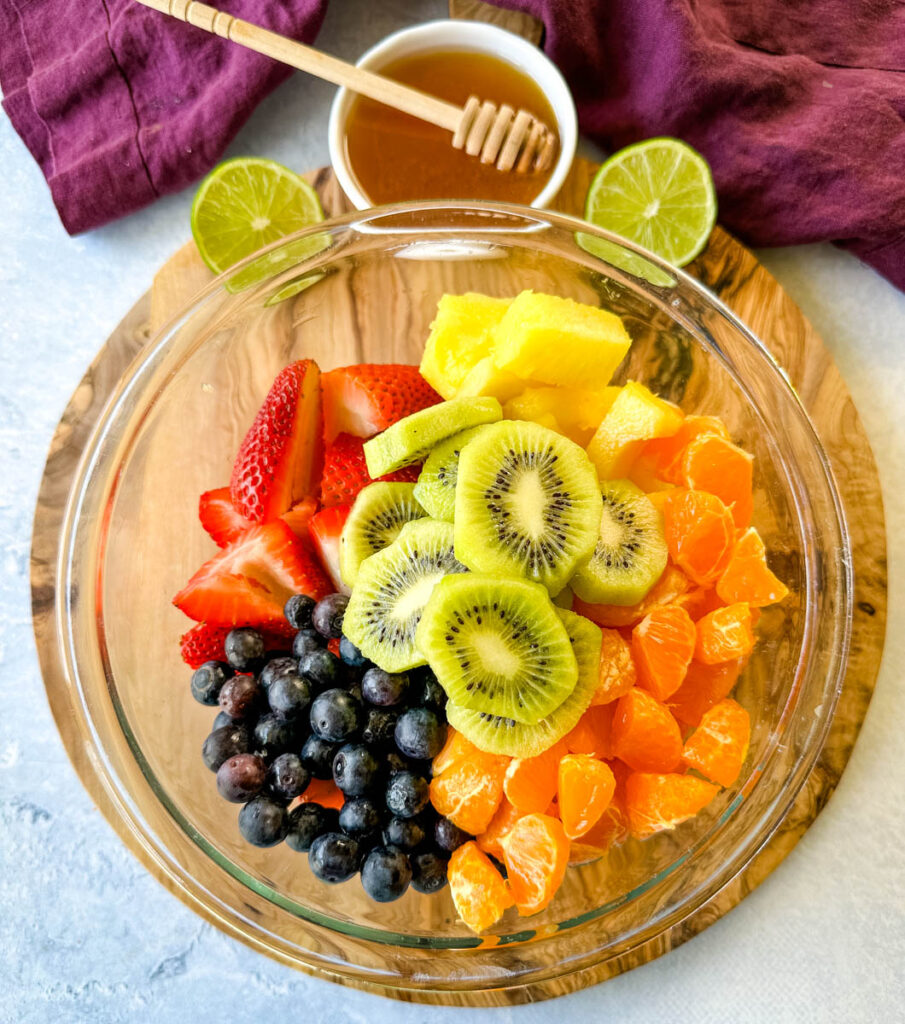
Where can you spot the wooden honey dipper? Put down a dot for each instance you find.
(498, 135)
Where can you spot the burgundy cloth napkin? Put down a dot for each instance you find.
(120, 104)
(798, 106)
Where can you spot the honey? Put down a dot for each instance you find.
(394, 156)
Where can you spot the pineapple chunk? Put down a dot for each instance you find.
(577, 412)
(636, 416)
(460, 336)
(486, 379)
(559, 341)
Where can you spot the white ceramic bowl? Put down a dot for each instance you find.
(475, 36)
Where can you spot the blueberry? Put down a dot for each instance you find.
(275, 668)
(420, 733)
(386, 874)
(350, 655)
(244, 649)
(355, 769)
(223, 719)
(336, 716)
(306, 641)
(307, 822)
(239, 696)
(334, 857)
(448, 836)
(380, 727)
(224, 743)
(406, 833)
(407, 794)
(241, 777)
(289, 695)
(207, 680)
(385, 689)
(397, 762)
(428, 871)
(428, 691)
(359, 818)
(317, 757)
(274, 735)
(327, 617)
(321, 668)
(287, 777)
(263, 821)
(298, 610)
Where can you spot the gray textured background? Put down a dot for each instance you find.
(86, 934)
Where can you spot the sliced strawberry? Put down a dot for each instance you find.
(204, 642)
(219, 517)
(299, 517)
(252, 579)
(325, 529)
(365, 399)
(345, 472)
(279, 459)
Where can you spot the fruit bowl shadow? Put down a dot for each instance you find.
(364, 289)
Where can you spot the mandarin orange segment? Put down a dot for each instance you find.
(500, 825)
(700, 533)
(644, 473)
(456, 748)
(655, 802)
(479, 892)
(617, 668)
(324, 792)
(724, 635)
(469, 792)
(747, 577)
(704, 686)
(611, 828)
(699, 601)
(663, 643)
(719, 745)
(716, 465)
(671, 585)
(536, 854)
(593, 734)
(645, 734)
(585, 789)
(530, 782)
(667, 453)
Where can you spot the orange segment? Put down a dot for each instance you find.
(456, 748)
(724, 635)
(658, 802)
(716, 465)
(704, 686)
(663, 643)
(536, 853)
(700, 533)
(719, 745)
(617, 668)
(612, 826)
(500, 825)
(478, 890)
(699, 601)
(668, 587)
(747, 577)
(593, 734)
(666, 453)
(586, 787)
(469, 792)
(645, 734)
(324, 792)
(530, 782)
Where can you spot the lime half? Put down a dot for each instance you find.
(657, 193)
(247, 203)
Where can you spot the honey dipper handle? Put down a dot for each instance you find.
(306, 58)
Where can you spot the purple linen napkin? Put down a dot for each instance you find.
(120, 104)
(798, 105)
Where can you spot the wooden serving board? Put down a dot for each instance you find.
(727, 268)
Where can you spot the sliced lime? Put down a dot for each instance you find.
(657, 193)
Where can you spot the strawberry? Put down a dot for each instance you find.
(299, 516)
(325, 529)
(205, 643)
(219, 517)
(252, 579)
(345, 472)
(365, 399)
(279, 459)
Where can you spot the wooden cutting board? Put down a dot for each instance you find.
(734, 274)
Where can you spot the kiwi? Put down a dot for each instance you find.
(379, 513)
(391, 590)
(565, 599)
(435, 488)
(497, 645)
(630, 554)
(414, 437)
(527, 504)
(514, 739)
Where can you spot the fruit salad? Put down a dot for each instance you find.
(478, 620)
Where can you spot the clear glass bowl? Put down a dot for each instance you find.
(131, 538)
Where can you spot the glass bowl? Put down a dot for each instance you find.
(363, 288)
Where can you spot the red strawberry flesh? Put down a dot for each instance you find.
(365, 399)
(345, 472)
(219, 517)
(326, 528)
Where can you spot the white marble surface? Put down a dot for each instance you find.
(87, 935)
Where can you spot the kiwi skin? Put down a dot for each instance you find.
(435, 488)
(380, 511)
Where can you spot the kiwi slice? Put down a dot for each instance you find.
(392, 589)
(435, 488)
(565, 599)
(497, 645)
(630, 554)
(414, 437)
(379, 513)
(505, 736)
(527, 504)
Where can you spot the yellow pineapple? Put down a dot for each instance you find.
(460, 336)
(486, 379)
(636, 416)
(559, 341)
(577, 411)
